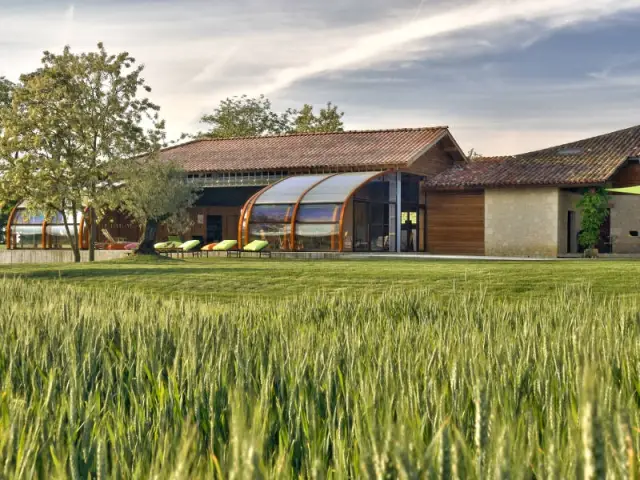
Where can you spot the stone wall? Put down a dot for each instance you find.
(568, 203)
(625, 217)
(522, 222)
(53, 256)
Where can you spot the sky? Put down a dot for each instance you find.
(507, 76)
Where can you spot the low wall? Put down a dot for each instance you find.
(53, 256)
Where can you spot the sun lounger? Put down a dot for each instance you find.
(112, 243)
(257, 246)
(226, 246)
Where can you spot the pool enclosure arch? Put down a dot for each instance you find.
(33, 230)
(349, 211)
(27, 229)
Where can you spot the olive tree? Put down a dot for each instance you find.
(154, 192)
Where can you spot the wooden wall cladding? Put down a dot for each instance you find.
(627, 176)
(455, 223)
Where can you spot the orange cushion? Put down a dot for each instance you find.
(209, 247)
(116, 246)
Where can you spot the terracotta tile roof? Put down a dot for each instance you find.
(378, 148)
(590, 161)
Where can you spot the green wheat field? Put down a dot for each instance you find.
(102, 377)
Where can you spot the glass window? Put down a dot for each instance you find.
(337, 188)
(57, 236)
(27, 236)
(277, 234)
(317, 236)
(319, 213)
(361, 226)
(289, 190)
(23, 218)
(377, 190)
(379, 214)
(271, 213)
(379, 238)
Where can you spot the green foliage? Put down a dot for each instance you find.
(6, 89)
(245, 117)
(253, 117)
(155, 190)
(328, 120)
(408, 384)
(69, 124)
(594, 211)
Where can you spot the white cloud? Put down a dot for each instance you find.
(199, 52)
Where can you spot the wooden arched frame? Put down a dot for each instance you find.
(12, 216)
(250, 204)
(242, 216)
(294, 215)
(83, 237)
(348, 199)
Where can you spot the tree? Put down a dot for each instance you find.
(154, 192)
(253, 117)
(329, 120)
(6, 90)
(70, 123)
(245, 117)
(473, 154)
(594, 206)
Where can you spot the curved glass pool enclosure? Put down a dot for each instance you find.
(353, 211)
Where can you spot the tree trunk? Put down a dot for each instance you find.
(73, 237)
(148, 239)
(92, 234)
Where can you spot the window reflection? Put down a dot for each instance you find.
(317, 236)
(277, 234)
(320, 213)
(271, 213)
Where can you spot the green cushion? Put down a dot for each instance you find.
(190, 245)
(167, 245)
(225, 245)
(256, 246)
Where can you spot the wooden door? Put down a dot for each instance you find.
(455, 223)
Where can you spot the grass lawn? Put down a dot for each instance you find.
(228, 279)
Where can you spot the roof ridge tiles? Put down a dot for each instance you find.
(307, 134)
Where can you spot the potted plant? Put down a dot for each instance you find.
(594, 211)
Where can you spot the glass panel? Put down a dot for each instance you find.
(392, 227)
(289, 190)
(337, 188)
(23, 218)
(271, 213)
(377, 190)
(361, 226)
(379, 214)
(421, 230)
(409, 231)
(380, 238)
(26, 236)
(410, 188)
(57, 236)
(277, 234)
(58, 220)
(320, 213)
(317, 236)
(347, 241)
